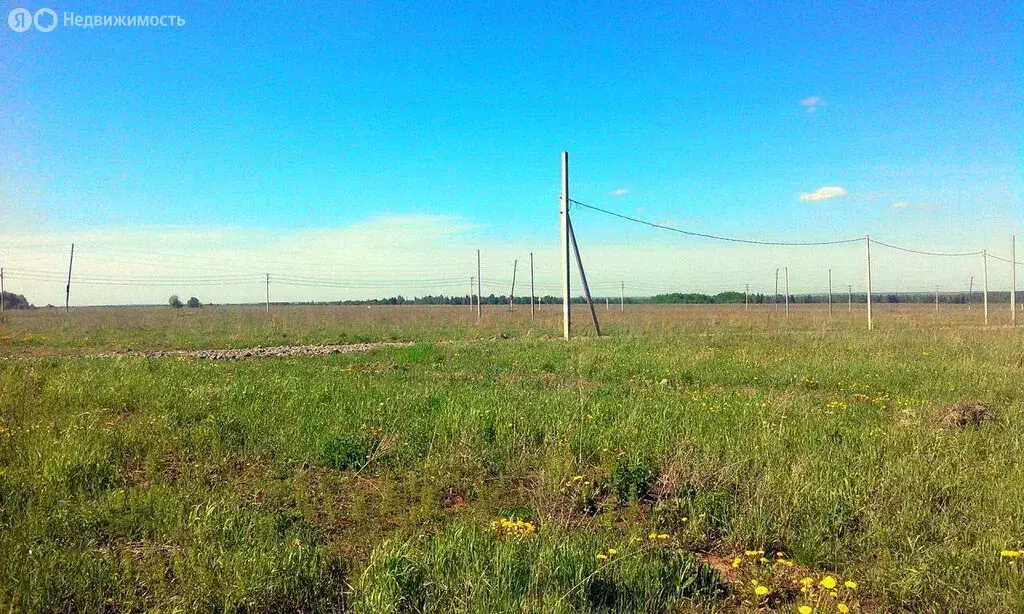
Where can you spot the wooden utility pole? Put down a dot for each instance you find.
(478, 286)
(746, 294)
(566, 310)
(1013, 279)
(1, 290)
(970, 293)
(583, 279)
(67, 289)
(867, 254)
(849, 297)
(533, 305)
(936, 298)
(776, 289)
(787, 292)
(512, 292)
(984, 268)
(830, 293)
(268, 292)
(622, 296)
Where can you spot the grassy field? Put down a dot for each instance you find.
(697, 459)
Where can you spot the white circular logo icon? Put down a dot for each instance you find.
(45, 20)
(20, 20)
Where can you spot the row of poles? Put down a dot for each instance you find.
(569, 239)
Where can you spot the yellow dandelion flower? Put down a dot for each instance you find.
(762, 560)
(653, 536)
(807, 581)
(663, 536)
(736, 562)
(612, 551)
(828, 582)
(843, 608)
(602, 557)
(850, 584)
(761, 590)
(1011, 554)
(805, 609)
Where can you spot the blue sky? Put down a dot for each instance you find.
(282, 120)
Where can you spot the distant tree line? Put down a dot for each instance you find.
(16, 301)
(176, 303)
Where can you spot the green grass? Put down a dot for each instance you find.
(368, 482)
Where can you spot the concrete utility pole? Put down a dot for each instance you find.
(984, 266)
(566, 310)
(268, 292)
(787, 292)
(936, 298)
(478, 286)
(867, 254)
(1, 290)
(849, 297)
(622, 296)
(583, 279)
(970, 293)
(830, 293)
(776, 289)
(470, 295)
(512, 292)
(746, 301)
(67, 289)
(533, 305)
(1013, 279)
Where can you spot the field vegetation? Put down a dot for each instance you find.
(696, 459)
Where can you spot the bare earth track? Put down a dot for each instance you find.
(281, 351)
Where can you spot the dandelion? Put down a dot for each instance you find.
(663, 536)
(828, 582)
(807, 581)
(653, 535)
(612, 551)
(602, 557)
(761, 590)
(843, 608)
(805, 609)
(850, 584)
(736, 563)
(1011, 554)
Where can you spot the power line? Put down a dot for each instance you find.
(710, 236)
(925, 253)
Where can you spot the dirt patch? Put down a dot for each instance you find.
(280, 351)
(963, 415)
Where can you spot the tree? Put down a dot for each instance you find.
(194, 303)
(16, 301)
(175, 302)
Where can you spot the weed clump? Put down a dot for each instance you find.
(963, 415)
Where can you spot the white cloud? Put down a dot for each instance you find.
(619, 192)
(824, 193)
(900, 204)
(812, 103)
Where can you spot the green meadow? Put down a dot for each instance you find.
(695, 459)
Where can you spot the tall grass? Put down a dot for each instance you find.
(370, 481)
